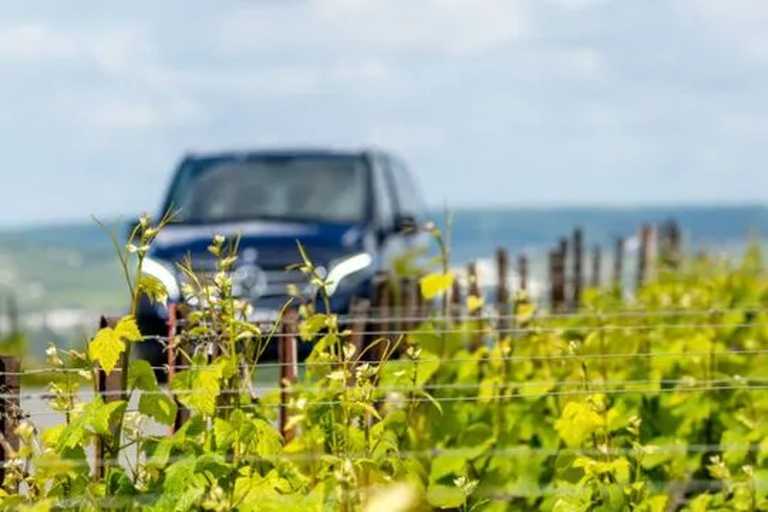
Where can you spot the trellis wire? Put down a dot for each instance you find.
(504, 322)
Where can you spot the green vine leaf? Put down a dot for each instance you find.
(105, 348)
(428, 364)
(182, 488)
(108, 344)
(153, 402)
(312, 326)
(94, 419)
(577, 422)
(153, 288)
(445, 496)
(447, 466)
(102, 415)
(433, 285)
(198, 388)
(127, 329)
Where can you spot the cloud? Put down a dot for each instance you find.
(585, 61)
(740, 24)
(116, 49)
(33, 42)
(370, 73)
(436, 27)
(121, 49)
(522, 94)
(121, 115)
(407, 137)
(453, 27)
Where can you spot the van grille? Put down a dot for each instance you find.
(277, 281)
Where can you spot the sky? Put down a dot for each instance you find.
(491, 102)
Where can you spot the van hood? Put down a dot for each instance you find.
(271, 243)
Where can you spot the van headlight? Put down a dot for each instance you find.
(344, 268)
(163, 272)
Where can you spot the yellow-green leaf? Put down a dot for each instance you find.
(433, 285)
(445, 496)
(487, 390)
(369, 409)
(44, 505)
(153, 402)
(109, 343)
(103, 414)
(127, 329)
(577, 422)
(313, 325)
(106, 347)
(525, 311)
(399, 497)
(198, 388)
(474, 303)
(50, 436)
(153, 288)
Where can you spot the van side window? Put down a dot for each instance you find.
(407, 189)
(385, 205)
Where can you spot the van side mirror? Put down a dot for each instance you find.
(405, 223)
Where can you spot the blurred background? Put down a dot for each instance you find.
(524, 118)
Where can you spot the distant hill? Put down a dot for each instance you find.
(519, 225)
(73, 265)
(704, 224)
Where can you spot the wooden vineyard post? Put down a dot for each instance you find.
(652, 260)
(502, 292)
(473, 290)
(563, 280)
(10, 411)
(109, 386)
(596, 266)
(175, 360)
(455, 306)
(522, 270)
(669, 245)
(642, 256)
(288, 361)
(674, 237)
(473, 286)
(381, 333)
(360, 310)
(578, 268)
(553, 280)
(408, 305)
(663, 247)
(557, 279)
(382, 324)
(618, 266)
(422, 306)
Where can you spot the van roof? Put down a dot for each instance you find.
(279, 151)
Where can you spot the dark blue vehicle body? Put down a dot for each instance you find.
(268, 244)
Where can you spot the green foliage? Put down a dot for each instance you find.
(14, 345)
(608, 411)
(153, 403)
(109, 343)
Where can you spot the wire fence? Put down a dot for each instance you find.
(497, 342)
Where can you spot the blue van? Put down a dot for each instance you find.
(353, 211)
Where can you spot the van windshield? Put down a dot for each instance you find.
(304, 188)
